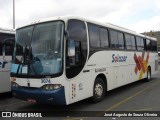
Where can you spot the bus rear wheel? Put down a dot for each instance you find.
(98, 90)
(148, 74)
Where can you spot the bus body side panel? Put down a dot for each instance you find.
(5, 85)
(81, 86)
(119, 67)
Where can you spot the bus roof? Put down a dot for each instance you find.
(8, 31)
(108, 25)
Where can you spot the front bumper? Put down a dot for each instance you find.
(39, 95)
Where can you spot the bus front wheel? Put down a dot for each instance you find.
(98, 90)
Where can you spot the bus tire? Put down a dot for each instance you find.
(98, 90)
(148, 74)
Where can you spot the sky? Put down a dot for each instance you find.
(138, 15)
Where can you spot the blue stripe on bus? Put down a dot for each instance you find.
(56, 97)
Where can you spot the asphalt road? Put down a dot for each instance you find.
(138, 96)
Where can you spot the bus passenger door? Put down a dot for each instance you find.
(76, 56)
(77, 78)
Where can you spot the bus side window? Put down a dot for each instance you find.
(140, 43)
(9, 46)
(94, 35)
(121, 40)
(148, 45)
(104, 38)
(128, 42)
(154, 46)
(114, 39)
(7, 43)
(133, 41)
(1, 46)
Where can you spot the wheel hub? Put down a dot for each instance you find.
(98, 90)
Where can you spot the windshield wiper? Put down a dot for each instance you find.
(23, 59)
(19, 65)
(29, 62)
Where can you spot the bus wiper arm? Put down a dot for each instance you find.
(30, 63)
(19, 65)
(23, 59)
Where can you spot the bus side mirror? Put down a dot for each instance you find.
(71, 48)
(70, 45)
(70, 53)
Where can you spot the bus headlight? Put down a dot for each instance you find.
(51, 86)
(14, 84)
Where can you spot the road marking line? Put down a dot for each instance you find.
(147, 108)
(132, 96)
(127, 99)
(144, 109)
(76, 118)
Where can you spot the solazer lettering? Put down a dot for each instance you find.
(118, 58)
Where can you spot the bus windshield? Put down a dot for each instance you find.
(38, 49)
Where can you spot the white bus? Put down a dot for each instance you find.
(7, 37)
(67, 59)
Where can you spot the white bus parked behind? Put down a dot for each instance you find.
(7, 38)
